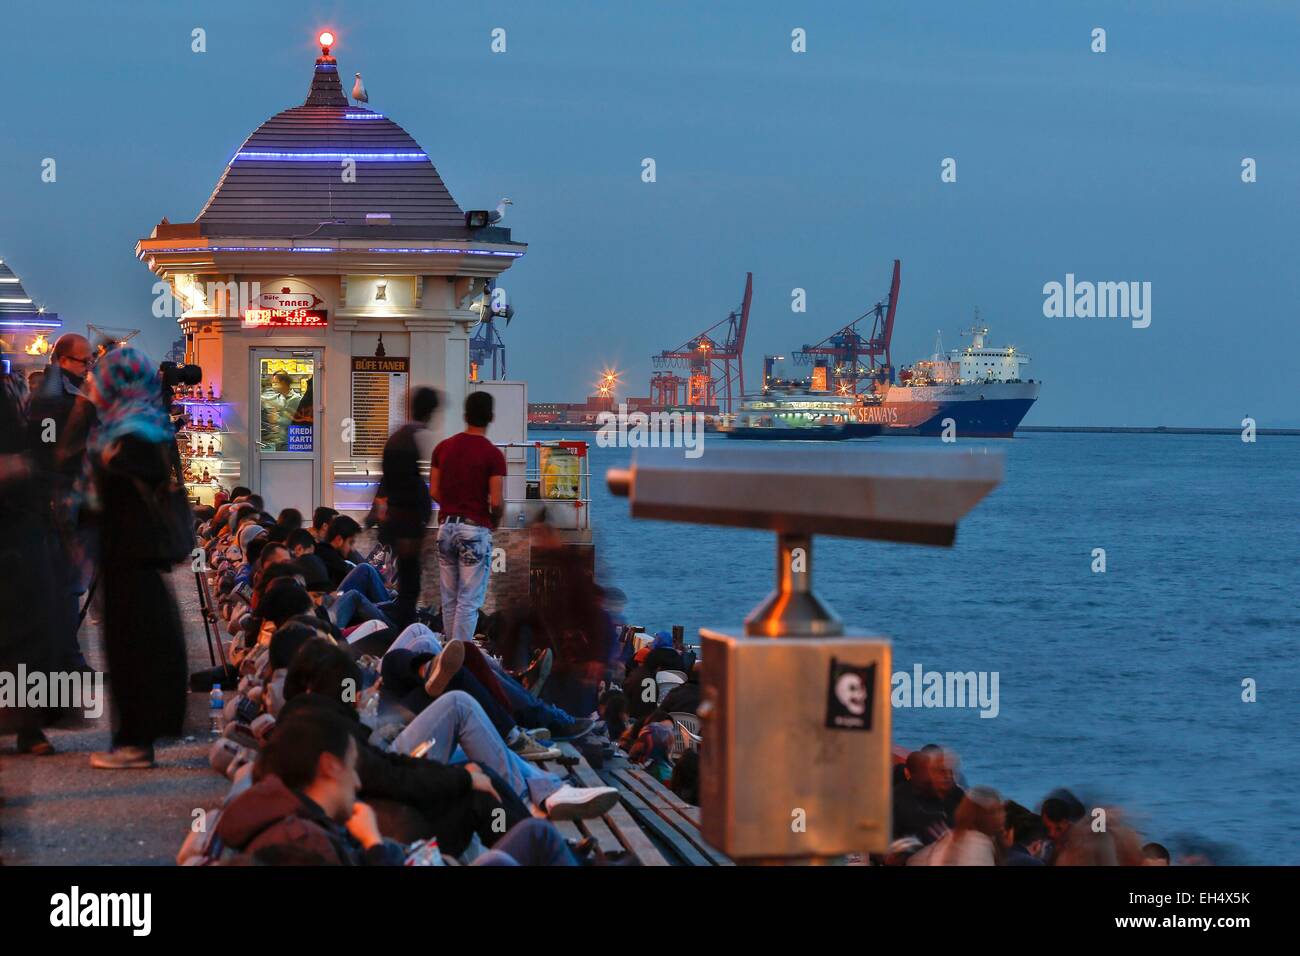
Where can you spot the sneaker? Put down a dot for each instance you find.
(534, 678)
(444, 668)
(528, 748)
(580, 803)
(540, 733)
(123, 758)
(579, 728)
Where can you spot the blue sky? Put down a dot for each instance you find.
(812, 170)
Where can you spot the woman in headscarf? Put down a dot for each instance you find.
(130, 453)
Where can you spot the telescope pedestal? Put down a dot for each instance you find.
(795, 761)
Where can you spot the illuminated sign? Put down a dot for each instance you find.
(285, 318)
(287, 299)
(364, 364)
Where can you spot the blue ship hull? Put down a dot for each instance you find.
(990, 418)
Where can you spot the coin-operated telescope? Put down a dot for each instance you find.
(795, 761)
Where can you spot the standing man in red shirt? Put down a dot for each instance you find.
(467, 478)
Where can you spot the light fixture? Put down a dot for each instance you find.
(380, 351)
(326, 39)
(381, 291)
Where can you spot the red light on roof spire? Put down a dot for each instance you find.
(326, 39)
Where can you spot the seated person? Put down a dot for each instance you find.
(413, 679)
(300, 542)
(613, 711)
(303, 809)
(320, 521)
(451, 727)
(290, 519)
(522, 705)
(653, 745)
(347, 571)
(641, 690)
(925, 805)
(305, 797)
(684, 698)
(1025, 836)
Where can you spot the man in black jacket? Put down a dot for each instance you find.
(405, 503)
(456, 801)
(58, 442)
(925, 802)
(305, 799)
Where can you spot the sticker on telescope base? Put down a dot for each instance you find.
(850, 696)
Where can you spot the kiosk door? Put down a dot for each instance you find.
(285, 441)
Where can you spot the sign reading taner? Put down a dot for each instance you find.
(379, 398)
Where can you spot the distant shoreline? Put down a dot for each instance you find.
(1083, 429)
(1153, 430)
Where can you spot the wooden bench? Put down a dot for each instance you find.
(668, 815)
(614, 832)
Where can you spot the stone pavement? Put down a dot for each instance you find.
(58, 810)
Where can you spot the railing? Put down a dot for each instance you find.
(555, 480)
(550, 478)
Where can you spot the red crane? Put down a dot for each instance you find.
(714, 358)
(842, 354)
(666, 389)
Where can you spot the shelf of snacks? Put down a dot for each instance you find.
(199, 442)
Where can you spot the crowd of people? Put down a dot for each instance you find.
(939, 822)
(355, 725)
(86, 473)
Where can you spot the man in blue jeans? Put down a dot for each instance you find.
(467, 478)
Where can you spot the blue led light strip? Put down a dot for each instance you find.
(363, 116)
(407, 157)
(431, 250)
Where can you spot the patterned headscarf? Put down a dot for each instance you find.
(128, 398)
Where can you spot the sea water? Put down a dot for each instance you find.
(1125, 686)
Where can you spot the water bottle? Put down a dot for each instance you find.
(216, 708)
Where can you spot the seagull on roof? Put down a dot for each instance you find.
(500, 211)
(359, 91)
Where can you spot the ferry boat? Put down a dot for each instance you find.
(795, 413)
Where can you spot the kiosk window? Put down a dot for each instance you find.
(287, 419)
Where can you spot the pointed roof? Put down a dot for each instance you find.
(13, 297)
(16, 304)
(288, 177)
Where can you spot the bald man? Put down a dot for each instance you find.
(65, 378)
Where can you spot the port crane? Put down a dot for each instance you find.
(847, 356)
(487, 350)
(714, 359)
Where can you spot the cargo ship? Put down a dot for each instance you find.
(978, 391)
(975, 392)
